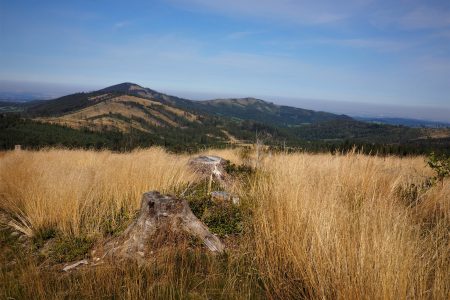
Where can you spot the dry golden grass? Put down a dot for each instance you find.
(77, 191)
(335, 227)
(99, 115)
(323, 226)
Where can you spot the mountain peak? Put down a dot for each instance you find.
(124, 87)
(238, 101)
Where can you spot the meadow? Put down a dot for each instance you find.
(313, 226)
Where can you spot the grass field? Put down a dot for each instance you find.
(314, 226)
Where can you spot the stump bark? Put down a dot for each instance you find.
(162, 220)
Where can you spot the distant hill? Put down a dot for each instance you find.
(123, 102)
(139, 91)
(262, 111)
(405, 122)
(240, 108)
(9, 106)
(128, 115)
(21, 96)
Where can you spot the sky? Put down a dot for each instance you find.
(389, 58)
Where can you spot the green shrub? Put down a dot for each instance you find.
(223, 219)
(43, 235)
(68, 249)
(412, 193)
(117, 224)
(238, 171)
(440, 164)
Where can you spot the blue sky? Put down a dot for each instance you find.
(331, 54)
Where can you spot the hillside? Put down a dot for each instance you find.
(239, 108)
(134, 116)
(139, 91)
(262, 111)
(122, 112)
(244, 108)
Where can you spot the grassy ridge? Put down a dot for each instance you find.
(320, 226)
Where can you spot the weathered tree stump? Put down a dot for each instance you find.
(162, 220)
(210, 167)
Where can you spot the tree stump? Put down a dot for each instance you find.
(163, 220)
(210, 167)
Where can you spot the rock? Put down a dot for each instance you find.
(162, 220)
(3, 218)
(222, 196)
(73, 266)
(47, 248)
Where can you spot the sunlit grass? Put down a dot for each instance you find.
(320, 226)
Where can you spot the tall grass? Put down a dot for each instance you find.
(322, 226)
(335, 227)
(76, 192)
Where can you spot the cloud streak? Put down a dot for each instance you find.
(237, 35)
(394, 13)
(121, 24)
(296, 11)
(425, 18)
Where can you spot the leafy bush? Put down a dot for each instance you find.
(43, 235)
(238, 170)
(116, 224)
(68, 249)
(412, 192)
(52, 244)
(440, 164)
(221, 218)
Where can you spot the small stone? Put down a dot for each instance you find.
(14, 233)
(222, 196)
(72, 266)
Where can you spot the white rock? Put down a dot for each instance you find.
(72, 266)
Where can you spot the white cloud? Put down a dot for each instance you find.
(381, 45)
(237, 35)
(121, 24)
